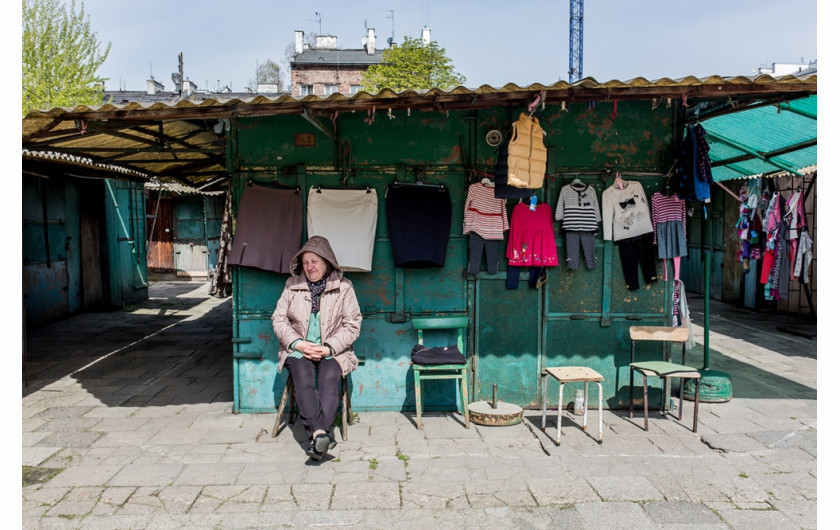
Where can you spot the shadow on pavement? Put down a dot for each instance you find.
(174, 348)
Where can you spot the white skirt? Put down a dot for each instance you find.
(347, 218)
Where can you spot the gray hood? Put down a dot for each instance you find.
(318, 245)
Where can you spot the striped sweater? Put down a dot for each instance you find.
(577, 208)
(665, 209)
(484, 214)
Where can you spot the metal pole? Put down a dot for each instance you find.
(707, 273)
(706, 288)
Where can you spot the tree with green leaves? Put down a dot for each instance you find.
(61, 54)
(412, 66)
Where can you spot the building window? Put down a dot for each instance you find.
(355, 89)
(330, 89)
(305, 90)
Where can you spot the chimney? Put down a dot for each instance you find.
(325, 42)
(370, 41)
(187, 88)
(298, 42)
(426, 36)
(153, 87)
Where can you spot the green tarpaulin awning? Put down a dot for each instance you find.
(764, 139)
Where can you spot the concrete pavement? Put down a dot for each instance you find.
(127, 424)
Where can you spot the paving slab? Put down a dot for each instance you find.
(144, 437)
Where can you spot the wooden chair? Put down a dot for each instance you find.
(289, 394)
(662, 369)
(459, 372)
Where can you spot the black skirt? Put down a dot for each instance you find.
(418, 222)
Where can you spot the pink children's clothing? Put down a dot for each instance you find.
(531, 240)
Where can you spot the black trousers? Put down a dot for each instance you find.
(634, 252)
(317, 404)
(513, 276)
(488, 247)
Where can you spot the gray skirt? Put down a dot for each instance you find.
(670, 239)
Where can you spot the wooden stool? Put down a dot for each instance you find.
(573, 374)
(289, 393)
(663, 369)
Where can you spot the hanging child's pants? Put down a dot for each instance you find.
(534, 274)
(488, 247)
(576, 240)
(636, 251)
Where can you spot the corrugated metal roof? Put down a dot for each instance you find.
(764, 139)
(184, 140)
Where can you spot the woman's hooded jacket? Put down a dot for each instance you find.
(341, 318)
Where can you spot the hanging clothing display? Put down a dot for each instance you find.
(748, 227)
(502, 190)
(347, 218)
(577, 208)
(795, 220)
(419, 216)
(682, 317)
(527, 154)
(221, 286)
(579, 213)
(625, 211)
(485, 220)
(531, 240)
(669, 234)
(269, 228)
(637, 252)
(804, 256)
(484, 214)
(775, 267)
(627, 222)
(693, 171)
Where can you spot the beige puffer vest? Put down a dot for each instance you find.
(526, 154)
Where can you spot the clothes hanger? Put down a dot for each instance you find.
(619, 181)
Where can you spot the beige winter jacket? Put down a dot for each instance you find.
(341, 318)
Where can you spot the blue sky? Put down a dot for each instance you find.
(490, 42)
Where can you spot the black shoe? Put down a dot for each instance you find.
(313, 452)
(322, 443)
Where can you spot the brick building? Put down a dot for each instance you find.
(323, 69)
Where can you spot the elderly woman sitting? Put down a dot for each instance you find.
(317, 320)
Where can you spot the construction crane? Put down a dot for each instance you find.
(575, 40)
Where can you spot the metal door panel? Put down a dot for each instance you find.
(576, 292)
(126, 214)
(376, 290)
(257, 291)
(507, 335)
(604, 349)
(385, 381)
(439, 289)
(213, 212)
(190, 239)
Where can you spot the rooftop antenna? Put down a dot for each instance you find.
(392, 23)
(317, 14)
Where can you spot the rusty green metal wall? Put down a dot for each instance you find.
(51, 232)
(578, 317)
